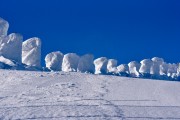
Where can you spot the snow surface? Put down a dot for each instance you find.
(54, 61)
(11, 47)
(76, 96)
(31, 52)
(70, 62)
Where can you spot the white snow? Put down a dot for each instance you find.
(85, 64)
(4, 26)
(11, 47)
(70, 62)
(112, 66)
(134, 68)
(6, 61)
(31, 52)
(155, 69)
(145, 67)
(53, 61)
(163, 68)
(172, 69)
(76, 96)
(123, 69)
(101, 65)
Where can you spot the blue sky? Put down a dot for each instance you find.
(125, 30)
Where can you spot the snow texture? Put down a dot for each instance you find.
(164, 68)
(101, 65)
(31, 52)
(11, 47)
(172, 70)
(134, 69)
(28, 95)
(112, 66)
(70, 62)
(54, 60)
(85, 64)
(4, 26)
(6, 61)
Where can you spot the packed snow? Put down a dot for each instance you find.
(101, 65)
(78, 96)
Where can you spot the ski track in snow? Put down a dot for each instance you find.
(76, 96)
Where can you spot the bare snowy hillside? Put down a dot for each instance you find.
(77, 96)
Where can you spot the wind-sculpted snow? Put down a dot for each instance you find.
(15, 54)
(54, 61)
(31, 52)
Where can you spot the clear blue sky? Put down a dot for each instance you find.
(125, 30)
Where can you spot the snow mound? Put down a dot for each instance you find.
(70, 62)
(112, 66)
(101, 65)
(85, 64)
(31, 52)
(134, 69)
(11, 47)
(4, 26)
(54, 61)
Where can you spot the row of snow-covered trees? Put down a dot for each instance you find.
(28, 53)
(150, 68)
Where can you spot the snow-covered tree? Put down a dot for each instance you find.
(134, 68)
(155, 69)
(86, 64)
(123, 70)
(101, 65)
(112, 66)
(54, 61)
(70, 62)
(31, 52)
(145, 67)
(11, 47)
(4, 25)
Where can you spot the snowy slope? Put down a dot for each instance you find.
(77, 96)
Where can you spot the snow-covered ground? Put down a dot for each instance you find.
(77, 96)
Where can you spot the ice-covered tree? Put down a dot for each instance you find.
(112, 66)
(11, 47)
(134, 68)
(86, 64)
(123, 70)
(145, 67)
(4, 25)
(31, 52)
(101, 65)
(70, 62)
(53, 61)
